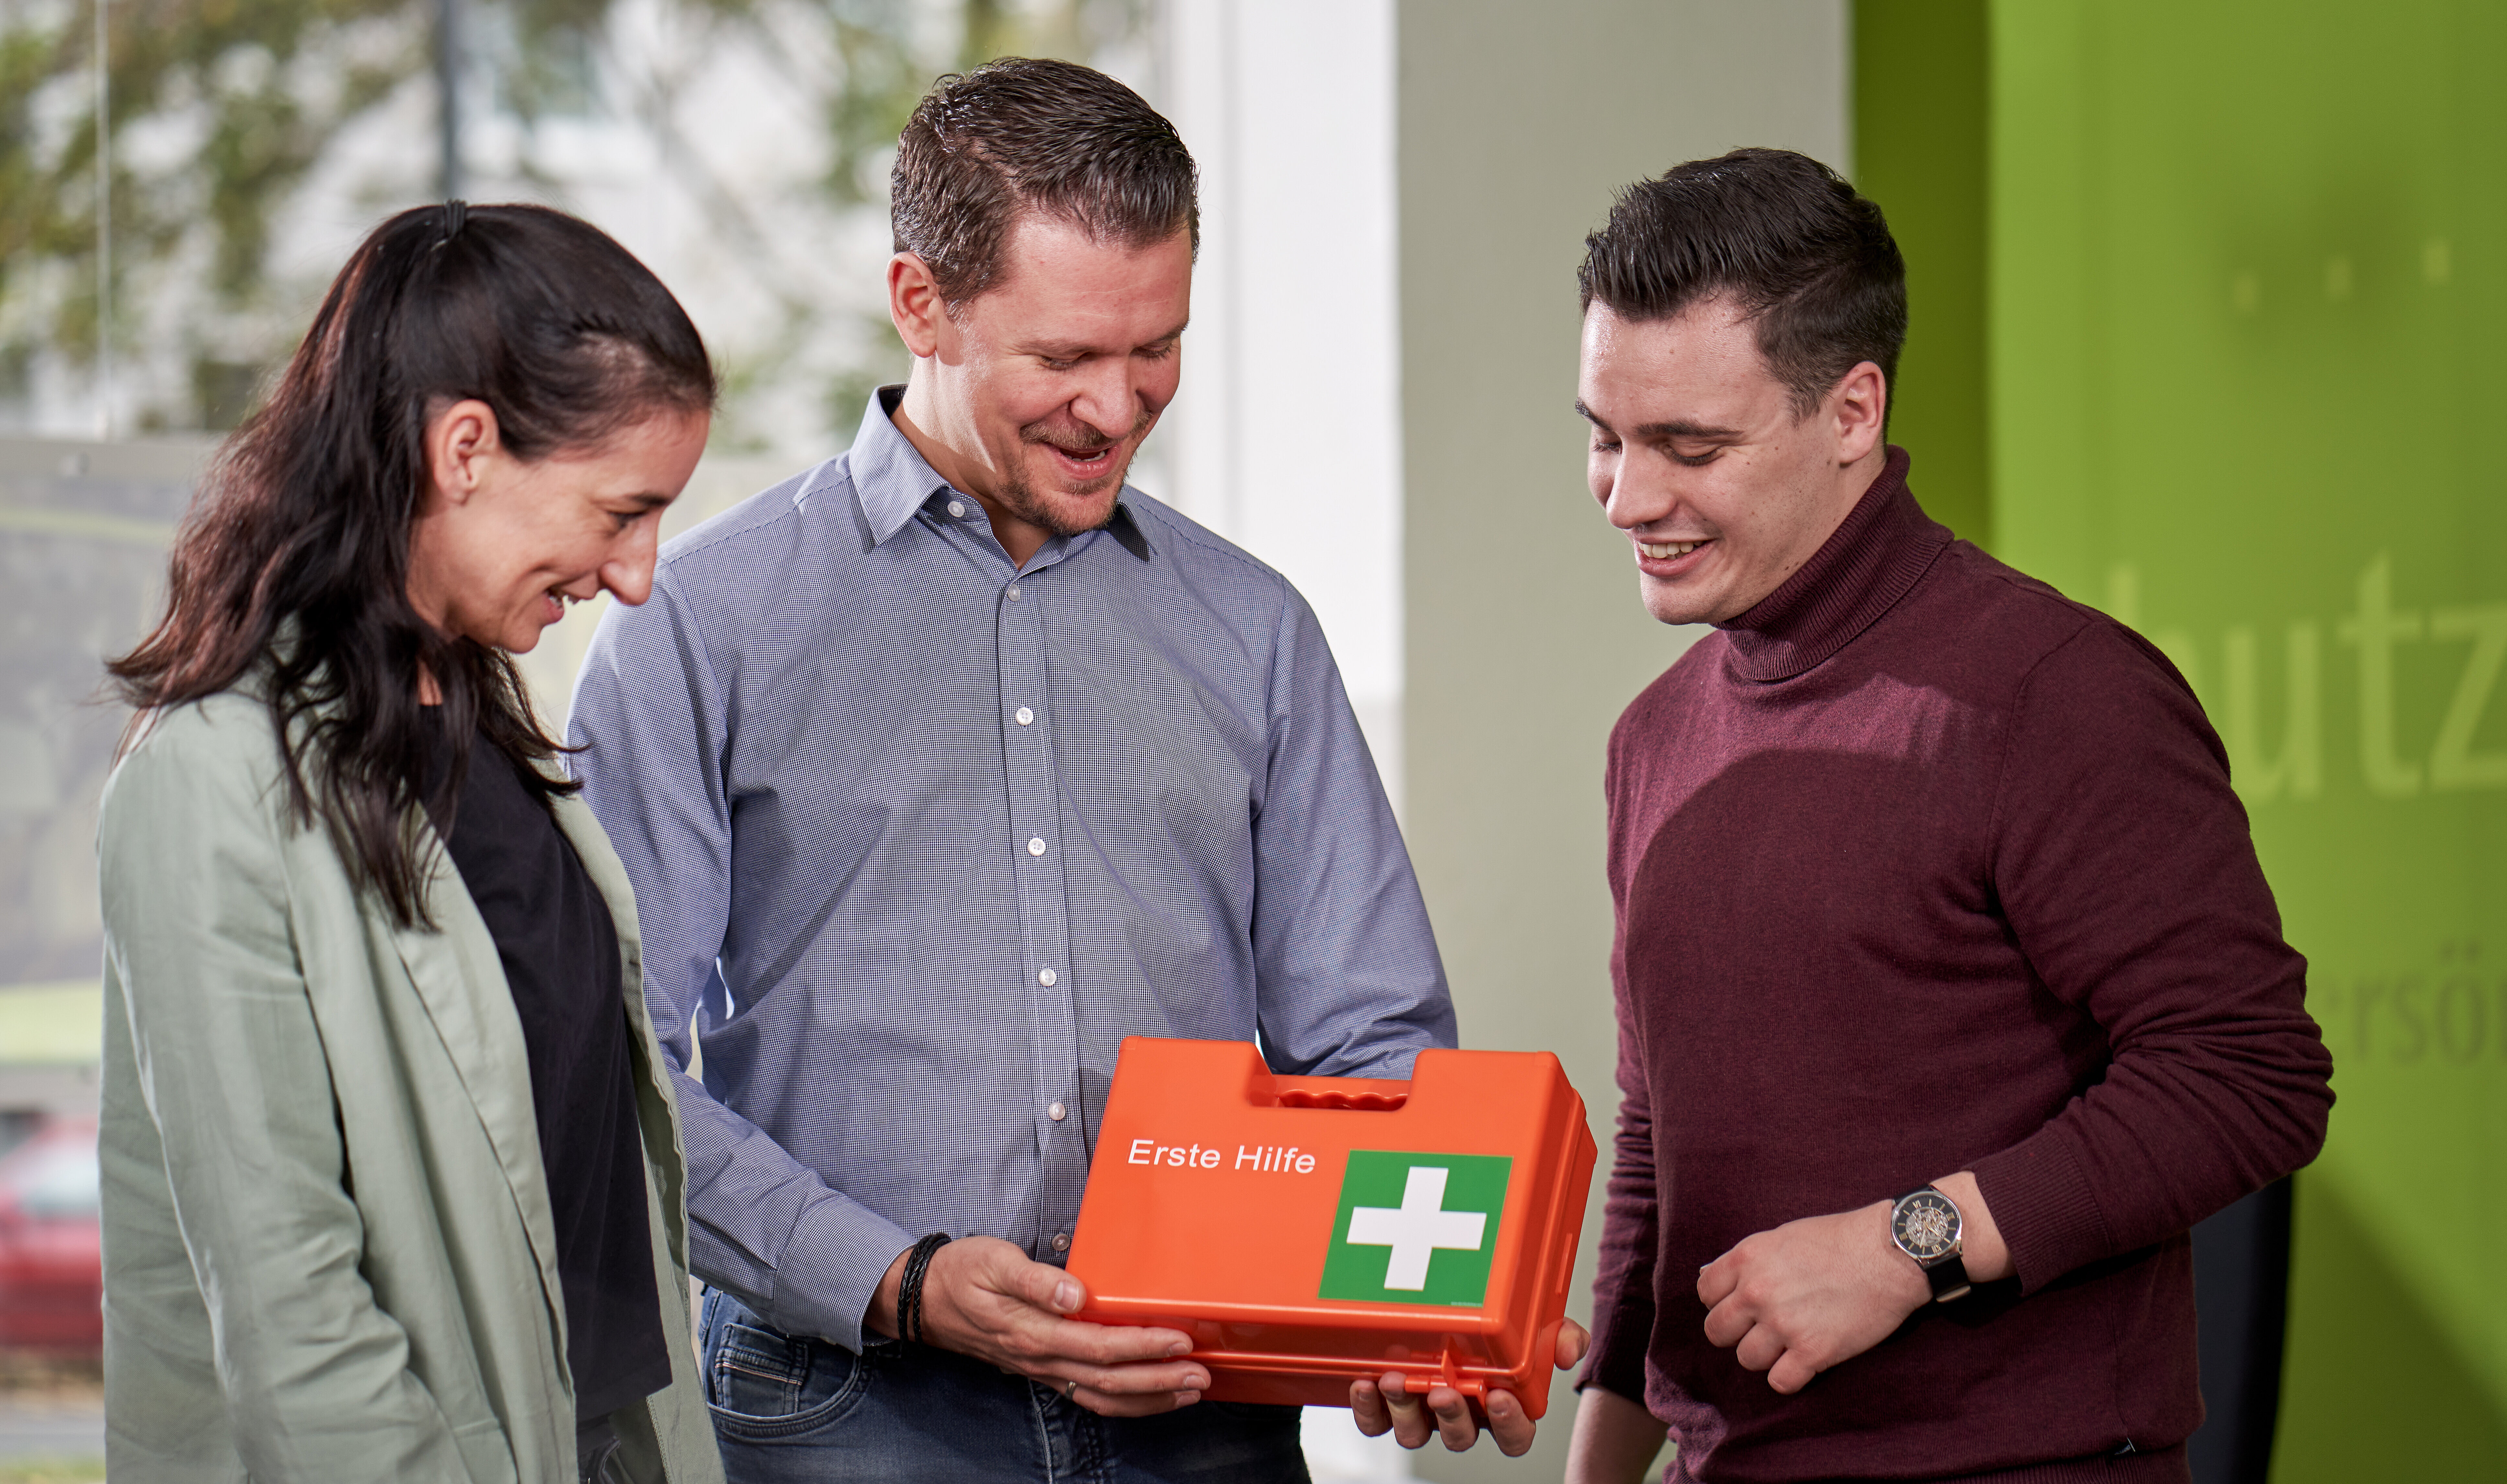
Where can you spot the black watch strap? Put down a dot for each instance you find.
(1948, 1278)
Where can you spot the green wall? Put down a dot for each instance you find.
(1920, 133)
(2248, 277)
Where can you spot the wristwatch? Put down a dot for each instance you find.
(1925, 1225)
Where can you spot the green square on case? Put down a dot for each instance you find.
(1416, 1228)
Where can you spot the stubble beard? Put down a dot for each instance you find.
(1020, 495)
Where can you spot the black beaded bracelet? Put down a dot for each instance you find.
(909, 1287)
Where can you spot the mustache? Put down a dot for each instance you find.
(1078, 437)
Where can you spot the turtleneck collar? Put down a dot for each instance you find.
(1873, 559)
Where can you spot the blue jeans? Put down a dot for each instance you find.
(790, 1410)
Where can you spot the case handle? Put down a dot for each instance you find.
(1352, 1103)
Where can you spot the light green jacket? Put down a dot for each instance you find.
(328, 1248)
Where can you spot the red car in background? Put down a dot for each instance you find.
(52, 1263)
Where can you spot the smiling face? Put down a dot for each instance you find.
(501, 547)
(1033, 395)
(1698, 455)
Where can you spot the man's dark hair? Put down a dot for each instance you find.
(1804, 256)
(1019, 137)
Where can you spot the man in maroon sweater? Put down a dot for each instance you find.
(1951, 993)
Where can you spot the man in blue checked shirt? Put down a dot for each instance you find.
(941, 768)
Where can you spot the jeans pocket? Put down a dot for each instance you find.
(755, 1372)
(762, 1385)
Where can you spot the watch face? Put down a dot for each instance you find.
(1926, 1224)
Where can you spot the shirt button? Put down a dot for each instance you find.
(1047, 977)
(1057, 1113)
(1061, 1242)
(958, 509)
(1013, 591)
(1035, 847)
(1025, 717)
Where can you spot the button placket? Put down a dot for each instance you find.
(1036, 827)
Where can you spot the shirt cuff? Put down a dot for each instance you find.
(831, 1269)
(2044, 1208)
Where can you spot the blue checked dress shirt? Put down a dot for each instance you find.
(919, 836)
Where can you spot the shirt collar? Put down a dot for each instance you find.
(1874, 557)
(893, 480)
(890, 477)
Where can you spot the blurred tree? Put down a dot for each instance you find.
(258, 87)
(222, 111)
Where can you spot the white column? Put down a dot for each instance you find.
(1285, 437)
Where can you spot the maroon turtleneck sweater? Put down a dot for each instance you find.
(1922, 867)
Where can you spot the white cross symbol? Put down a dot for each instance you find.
(1417, 1228)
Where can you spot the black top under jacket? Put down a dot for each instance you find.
(560, 954)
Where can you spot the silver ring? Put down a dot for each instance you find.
(1071, 1390)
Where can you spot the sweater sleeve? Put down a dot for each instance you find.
(2124, 864)
(1624, 1304)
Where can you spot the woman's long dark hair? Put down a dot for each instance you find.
(290, 574)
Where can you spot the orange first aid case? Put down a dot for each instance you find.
(1308, 1231)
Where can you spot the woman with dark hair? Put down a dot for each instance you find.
(393, 1181)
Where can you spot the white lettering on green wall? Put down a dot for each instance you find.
(2299, 767)
(2375, 629)
(2449, 1013)
(2286, 761)
(2453, 764)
